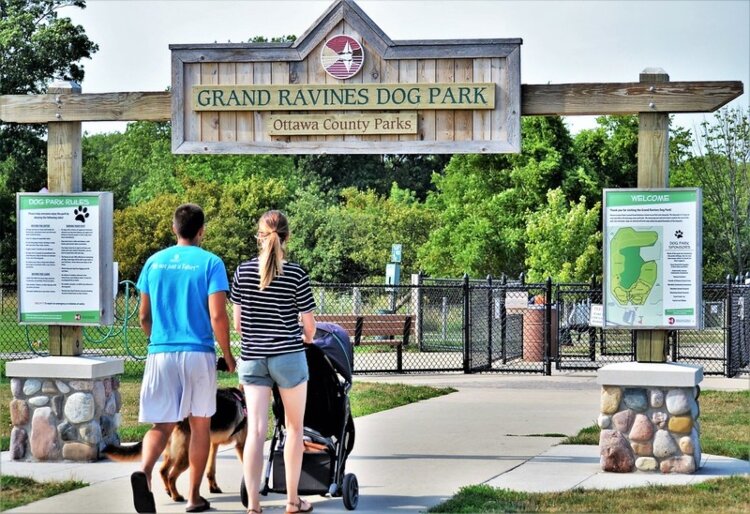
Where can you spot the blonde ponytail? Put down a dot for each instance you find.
(273, 231)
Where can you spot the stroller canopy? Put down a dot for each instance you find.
(335, 344)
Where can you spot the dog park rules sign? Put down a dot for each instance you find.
(64, 258)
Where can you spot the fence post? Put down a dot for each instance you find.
(503, 319)
(548, 327)
(490, 311)
(357, 301)
(592, 330)
(466, 336)
(416, 299)
(728, 367)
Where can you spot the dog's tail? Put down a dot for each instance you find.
(128, 453)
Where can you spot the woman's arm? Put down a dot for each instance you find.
(308, 327)
(237, 317)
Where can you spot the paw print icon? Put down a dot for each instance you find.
(678, 234)
(81, 213)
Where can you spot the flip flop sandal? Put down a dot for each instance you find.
(200, 507)
(143, 498)
(298, 505)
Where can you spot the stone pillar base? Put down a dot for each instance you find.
(649, 417)
(63, 408)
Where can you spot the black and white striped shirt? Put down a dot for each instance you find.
(270, 318)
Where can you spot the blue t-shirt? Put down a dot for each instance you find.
(178, 281)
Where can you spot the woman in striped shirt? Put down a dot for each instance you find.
(270, 295)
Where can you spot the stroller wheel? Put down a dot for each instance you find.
(351, 491)
(243, 494)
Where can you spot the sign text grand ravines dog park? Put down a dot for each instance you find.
(346, 87)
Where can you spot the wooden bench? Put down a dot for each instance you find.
(375, 329)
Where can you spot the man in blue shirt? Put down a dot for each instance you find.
(183, 310)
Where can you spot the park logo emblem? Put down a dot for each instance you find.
(342, 57)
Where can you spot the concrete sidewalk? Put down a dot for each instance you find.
(499, 430)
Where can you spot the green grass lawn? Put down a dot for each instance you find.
(715, 496)
(725, 418)
(17, 491)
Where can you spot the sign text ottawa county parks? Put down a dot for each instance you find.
(310, 97)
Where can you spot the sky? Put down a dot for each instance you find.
(564, 41)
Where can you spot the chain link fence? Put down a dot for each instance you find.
(450, 325)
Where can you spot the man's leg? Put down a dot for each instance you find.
(200, 441)
(154, 443)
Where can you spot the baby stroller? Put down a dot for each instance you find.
(328, 425)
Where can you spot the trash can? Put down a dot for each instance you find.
(533, 333)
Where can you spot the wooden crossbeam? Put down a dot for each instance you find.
(627, 98)
(536, 100)
(140, 106)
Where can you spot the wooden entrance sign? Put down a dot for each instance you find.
(465, 95)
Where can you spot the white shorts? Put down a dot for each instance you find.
(177, 385)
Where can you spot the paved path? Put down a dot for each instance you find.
(501, 430)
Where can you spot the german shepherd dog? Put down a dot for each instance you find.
(228, 425)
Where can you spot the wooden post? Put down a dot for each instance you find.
(653, 172)
(64, 176)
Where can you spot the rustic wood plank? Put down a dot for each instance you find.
(317, 75)
(626, 98)
(389, 75)
(191, 120)
(499, 118)
(407, 74)
(462, 120)
(178, 113)
(146, 106)
(346, 147)
(279, 76)
(298, 74)
(444, 121)
(438, 49)
(426, 75)
(262, 75)
(209, 120)
(65, 175)
(371, 74)
(481, 120)
(227, 120)
(511, 130)
(245, 120)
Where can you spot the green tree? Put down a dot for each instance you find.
(351, 241)
(481, 203)
(36, 45)
(232, 212)
(721, 167)
(563, 241)
(375, 172)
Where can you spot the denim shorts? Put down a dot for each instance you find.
(286, 370)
